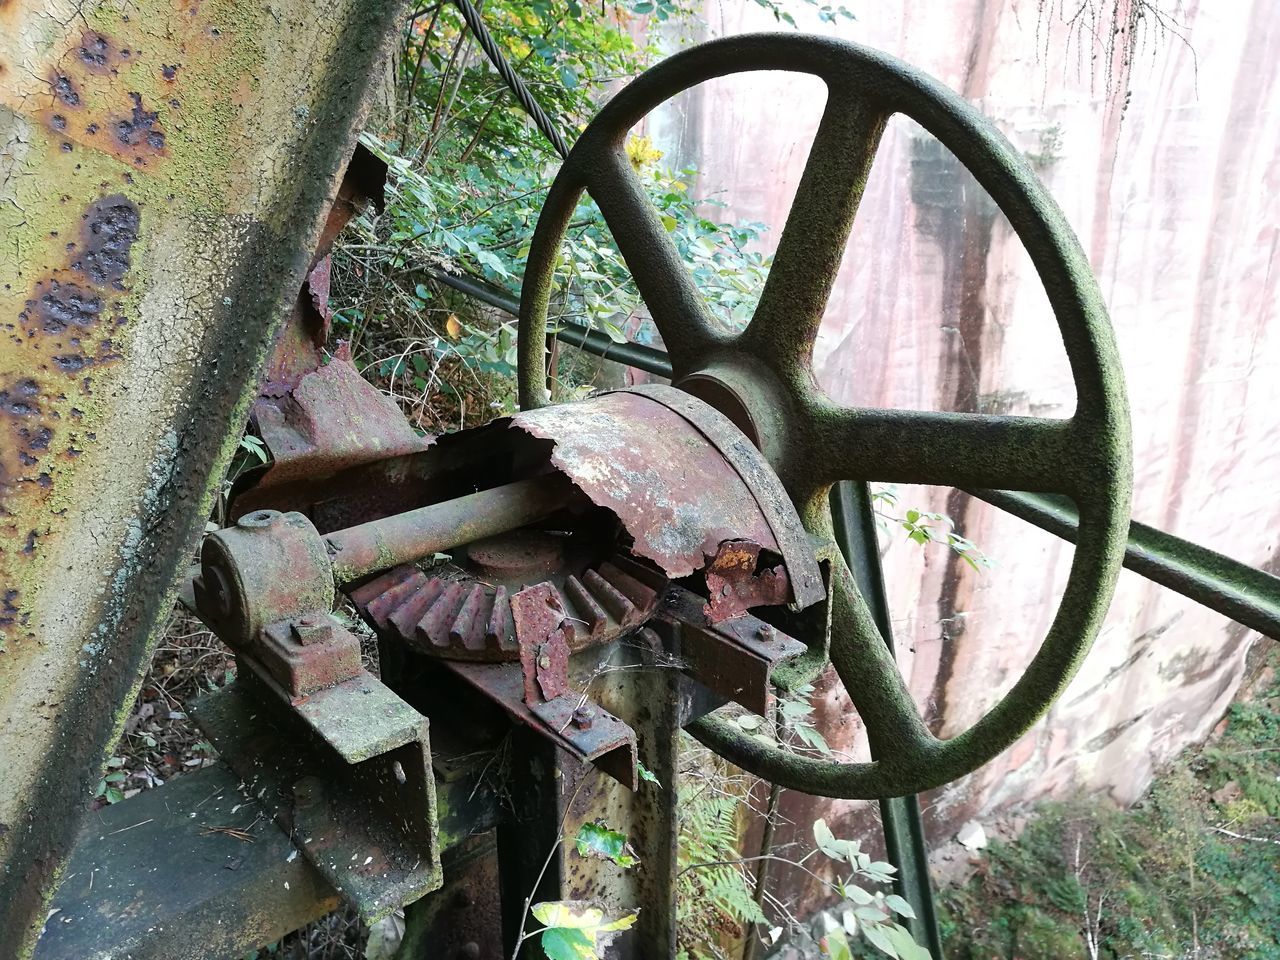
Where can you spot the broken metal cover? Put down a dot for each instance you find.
(164, 177)
(679, 476)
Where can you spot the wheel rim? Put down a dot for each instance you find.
(763, 379)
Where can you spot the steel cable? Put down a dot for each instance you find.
(522, 93)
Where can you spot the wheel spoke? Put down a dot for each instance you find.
(869, 672)
(952, 449)
(668, 290)
(804, 268)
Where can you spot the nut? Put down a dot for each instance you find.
(583, 716)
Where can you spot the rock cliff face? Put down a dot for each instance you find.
(1164, 157)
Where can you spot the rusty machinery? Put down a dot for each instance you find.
(556, 594)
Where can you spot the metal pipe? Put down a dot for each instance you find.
(1245, 594)
(380, 544)
(649, 359)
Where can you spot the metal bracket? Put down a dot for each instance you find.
(734, 658)
(345, 771)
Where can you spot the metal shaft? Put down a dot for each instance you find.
(380, 544)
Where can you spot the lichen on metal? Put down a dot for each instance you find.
(164, 170)
(762, 379)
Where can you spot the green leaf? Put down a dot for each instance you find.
(567, 913)
(813, 738)
(836, 946)
(574, 928)
(568, 943)
(878, 935)
(899, 906)
(625, 922)
(871, 913)
(906, 945)
(831, 845)
(647, 774)
(858, 895)
(597, 840)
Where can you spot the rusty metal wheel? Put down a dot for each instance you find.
(762, 379)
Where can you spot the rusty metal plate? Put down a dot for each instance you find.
(606, 741)
(675, 493)
(734, 585)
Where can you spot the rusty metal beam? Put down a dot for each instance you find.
(164, 177)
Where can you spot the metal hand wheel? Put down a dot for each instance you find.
(762, 379)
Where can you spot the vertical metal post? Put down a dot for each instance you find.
(855, 530)
(528, 839)
(655, 821)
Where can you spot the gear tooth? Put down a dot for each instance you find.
(610, 597)
(586, 606)
(467, 629)
(434, 625)
(363, 594)
(653, 578)
(405, 617)
(499, 609)
(381, 607)
(635, 590)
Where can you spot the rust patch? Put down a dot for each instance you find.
(140, 130)
(87, 99)
(65, 90)
(543, 633)
(674, 492)
(96, 53)
(63, 330)
(736, 582)
(108, 233)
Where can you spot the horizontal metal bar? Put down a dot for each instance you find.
(1245, 594)
(648, 359)
(381, 544)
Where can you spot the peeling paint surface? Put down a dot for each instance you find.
(161, 188)
(678, 498)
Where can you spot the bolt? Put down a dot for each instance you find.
(398, 772)
(764, 631)
(544, 662)
(582, 717)
(308, 621)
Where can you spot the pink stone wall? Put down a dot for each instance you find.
(1176, 199)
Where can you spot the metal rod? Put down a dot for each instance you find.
(904, 840)
(649, 359)
(380, 544)
(1245, 594)
(752, 942)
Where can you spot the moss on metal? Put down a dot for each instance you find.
(165, 170)
(766, 372)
